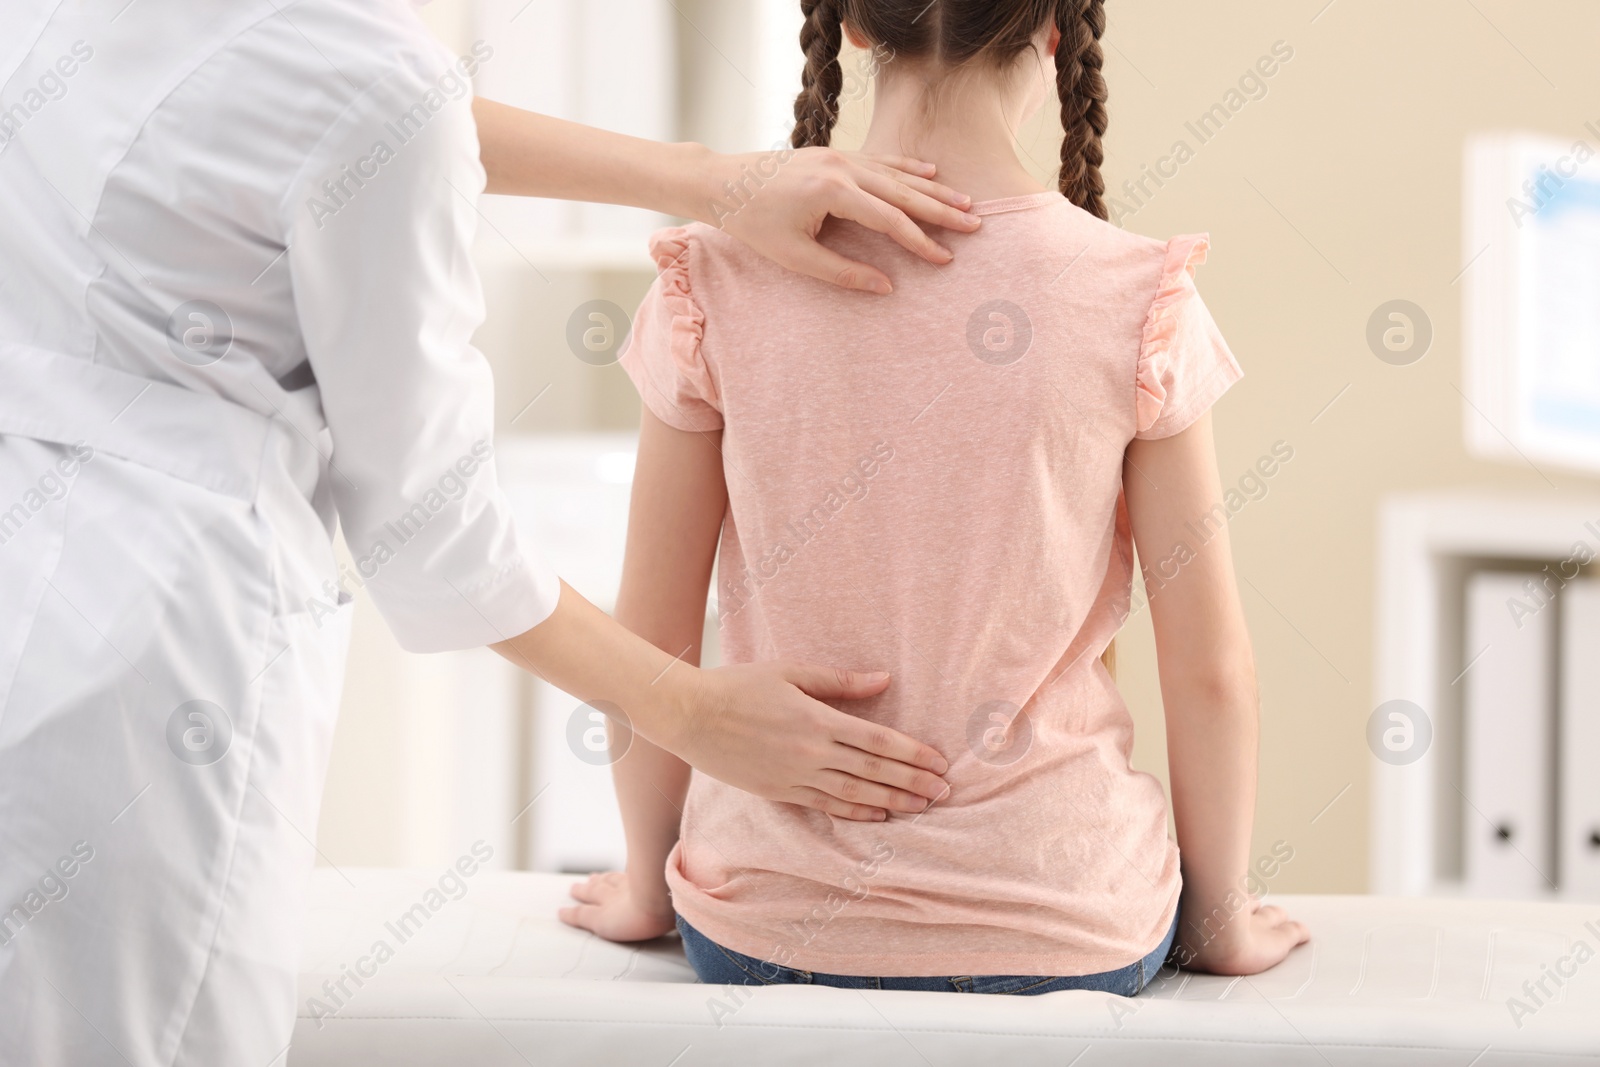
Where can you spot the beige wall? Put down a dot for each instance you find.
(1336, 191)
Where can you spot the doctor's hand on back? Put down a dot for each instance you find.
(761, 727)
(758, 726)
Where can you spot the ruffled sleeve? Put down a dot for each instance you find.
(664, 355)
(1184, 364)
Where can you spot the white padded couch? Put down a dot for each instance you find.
(493, 979)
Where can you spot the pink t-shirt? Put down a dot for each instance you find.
(930, 483)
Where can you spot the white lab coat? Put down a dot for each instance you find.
(171, 640)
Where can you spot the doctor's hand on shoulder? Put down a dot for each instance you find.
(774, 201)
(761, 727)
(777, 201)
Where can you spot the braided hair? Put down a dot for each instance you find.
(1083, 102)
(960, 32)
(817, 107)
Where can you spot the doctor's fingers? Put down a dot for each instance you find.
(879, 754)
(865, 205)
(917, 197)
(870, 738)
(918, 175)
(881, 772)
(856, 790)
(808, 797)
(824, 264)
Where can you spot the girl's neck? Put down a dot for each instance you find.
(967, 130)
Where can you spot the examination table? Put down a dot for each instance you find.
(397, 972)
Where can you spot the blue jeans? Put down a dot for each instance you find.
(721, 966)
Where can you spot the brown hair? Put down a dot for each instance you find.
(961, 32)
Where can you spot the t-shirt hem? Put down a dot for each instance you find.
(1058, 964)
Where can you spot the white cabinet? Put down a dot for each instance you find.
(1509, 711)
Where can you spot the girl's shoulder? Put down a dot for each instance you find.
(698, 244)
(675, 243)
(696, 262)
(1144, 287)
(1085, 259)
(1124, 253)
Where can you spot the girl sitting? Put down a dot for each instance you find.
(948, 484)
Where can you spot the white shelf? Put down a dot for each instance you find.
(1428, 543)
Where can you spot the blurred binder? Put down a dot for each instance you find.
(1509, 717)
(1580, 740)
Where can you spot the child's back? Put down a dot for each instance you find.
(931, 484)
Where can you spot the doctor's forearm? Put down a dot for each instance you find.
(583, 651)
(528, 154)
(760, 727)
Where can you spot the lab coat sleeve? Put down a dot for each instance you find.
(381, 224)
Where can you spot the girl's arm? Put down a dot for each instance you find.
(674, 521)
(1208, 686)
(775, 202)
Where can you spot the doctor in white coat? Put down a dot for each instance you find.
(236, 300)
